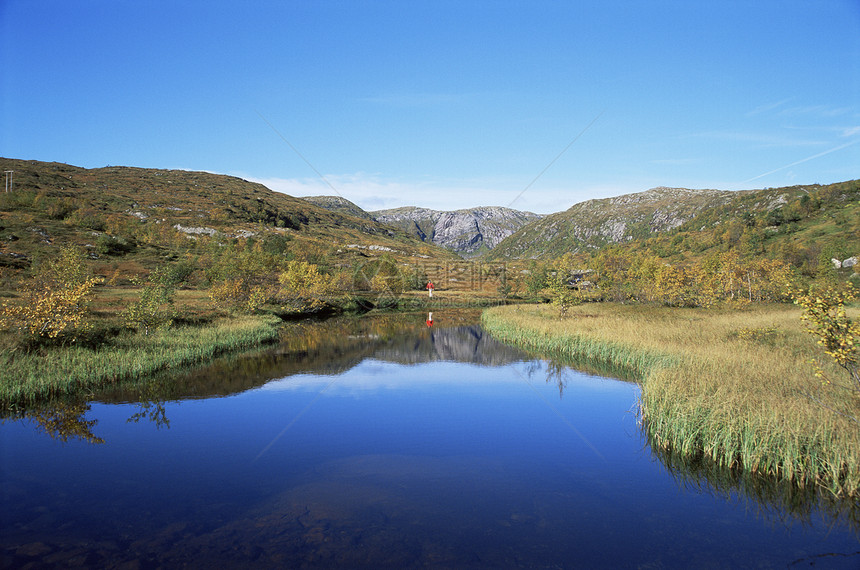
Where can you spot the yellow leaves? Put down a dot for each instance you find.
(758, 334)
(723, 277)
(56, 301)
(837, 333)
(238, 294)
(304, 285)
(47, 312)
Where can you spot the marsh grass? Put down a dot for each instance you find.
(28, 377)
(732, 385)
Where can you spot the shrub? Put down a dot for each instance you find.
(154, 306)
(56, 302)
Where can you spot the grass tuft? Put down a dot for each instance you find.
(732, 385)
(29, 377)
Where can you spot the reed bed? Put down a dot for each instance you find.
(734, 385)
(26, 378)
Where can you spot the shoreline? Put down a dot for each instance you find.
(30, 378)
(723, 384)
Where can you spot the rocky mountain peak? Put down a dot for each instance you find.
(467, 232)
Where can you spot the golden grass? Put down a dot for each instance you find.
(732, 384)
(29, 377)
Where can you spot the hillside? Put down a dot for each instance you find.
(678, 222)
(469, 232)
(592, 224)
(338, 204)
(133, 218)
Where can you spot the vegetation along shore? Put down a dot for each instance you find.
(38, 375)
(113, 274)
(734, 385)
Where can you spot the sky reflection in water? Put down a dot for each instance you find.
(387, 459)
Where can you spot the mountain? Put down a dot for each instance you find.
(798, 224)
(138, 216)
(595, 223)
(470, 232)
(340, 205)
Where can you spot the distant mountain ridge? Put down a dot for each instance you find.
(468, 232)
(340, 205)
(128, 213)
(595, 223)
(143, 209)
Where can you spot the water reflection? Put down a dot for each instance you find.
(63, 421)
(553, 371)
(333, 347)
(323, 348)
(776, 501)
(370, 493)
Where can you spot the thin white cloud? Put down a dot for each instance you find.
(417, 99)
(823, 111)
(760, 140)
(767, 107)
(676, 161)
(808, 158)
(372, 192)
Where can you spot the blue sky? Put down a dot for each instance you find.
(441, 104)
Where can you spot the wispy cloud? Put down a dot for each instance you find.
(780, 108)
(767, 107)
(676, 161)
(374, 192)
(417, 99)
(759, 140)
(807, 159)
(822, 111)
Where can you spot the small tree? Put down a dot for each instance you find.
(238, 294)
(56, 301)
(304, 286)
(537, 279)
(154, 306)
(837, 333)
(562, 295)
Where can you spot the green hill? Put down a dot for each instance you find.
(339, 204)
(134, 218)
(800, 224)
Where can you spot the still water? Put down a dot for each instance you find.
(382, 443)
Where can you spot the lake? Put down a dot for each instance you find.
(380, 442)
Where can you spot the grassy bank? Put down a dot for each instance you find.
(732, 385)
(27, 377)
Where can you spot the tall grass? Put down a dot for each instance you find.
(732, 385)
(26, 378)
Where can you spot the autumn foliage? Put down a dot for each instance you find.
(303, 286)
(838, 334)
(55, 302)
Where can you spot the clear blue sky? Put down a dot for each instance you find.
(441, 104)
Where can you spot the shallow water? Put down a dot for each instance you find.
(382, 443)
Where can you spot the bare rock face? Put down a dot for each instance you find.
(467, 232)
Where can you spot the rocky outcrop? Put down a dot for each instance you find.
(455, 344)
(468, 232)
(595, 223)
